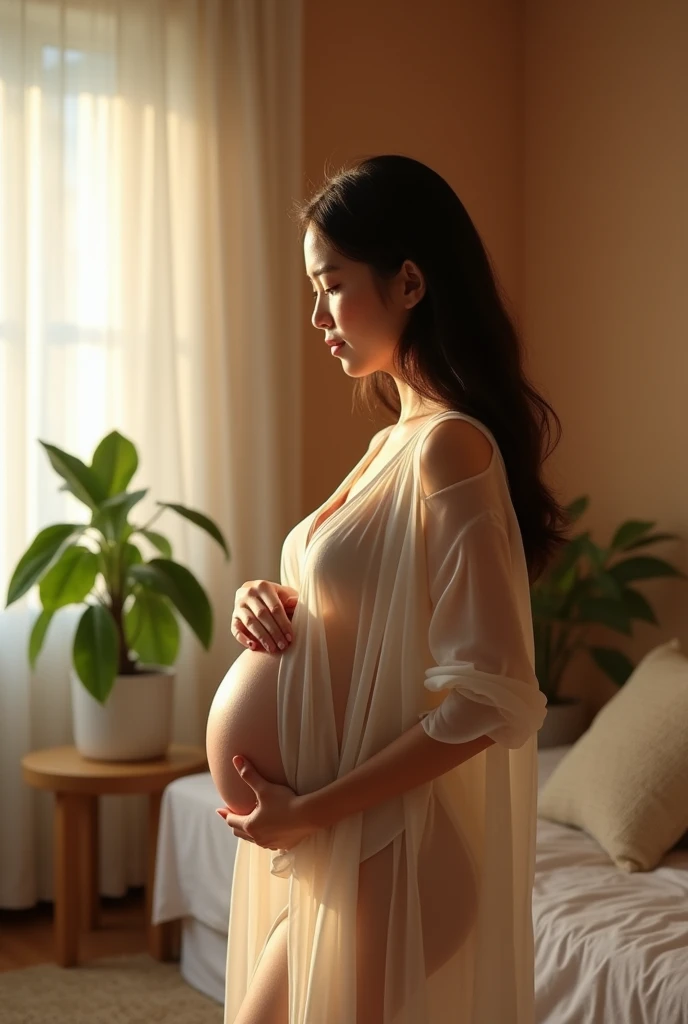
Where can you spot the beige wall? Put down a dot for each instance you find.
(439, 82)
(605, 299)
(563, 130)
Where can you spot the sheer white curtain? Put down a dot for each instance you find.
(149, 282)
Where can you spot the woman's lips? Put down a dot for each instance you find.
(334, 349)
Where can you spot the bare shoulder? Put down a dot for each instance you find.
(452, 451)
(378, 437)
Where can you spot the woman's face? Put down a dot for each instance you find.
(347, 306)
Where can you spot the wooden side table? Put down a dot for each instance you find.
(77, 783)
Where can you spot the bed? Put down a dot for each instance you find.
(610, 947)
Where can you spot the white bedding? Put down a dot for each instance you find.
(195, 860)
(610, 947)
(203, 960)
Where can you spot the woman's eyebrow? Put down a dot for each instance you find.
(327, 268)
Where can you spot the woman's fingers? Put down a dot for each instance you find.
(223, 811)
(274, 598)
(239, 633)
(242, 835)
(269, 622)
(260, 616)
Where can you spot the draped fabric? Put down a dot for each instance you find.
(150, 151)
(411, 606)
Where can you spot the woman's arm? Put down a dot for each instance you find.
(410, 760)
(282, 818)
(475, 637)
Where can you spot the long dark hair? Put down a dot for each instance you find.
(460, 346)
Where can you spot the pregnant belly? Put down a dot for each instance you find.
(243, 720)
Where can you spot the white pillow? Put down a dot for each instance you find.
(625, 781)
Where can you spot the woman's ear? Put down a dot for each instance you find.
(413, 283)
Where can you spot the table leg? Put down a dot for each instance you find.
(162, 938)
(66, 862)
(90, 896)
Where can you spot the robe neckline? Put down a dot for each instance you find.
(310, 537)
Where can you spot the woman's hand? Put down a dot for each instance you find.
(278, 820)
(262, 613)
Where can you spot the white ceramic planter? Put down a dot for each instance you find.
(134, 724)
(564, 723)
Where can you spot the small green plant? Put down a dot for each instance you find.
(588, 584)
(131, 604)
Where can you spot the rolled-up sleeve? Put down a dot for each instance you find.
(476, 632)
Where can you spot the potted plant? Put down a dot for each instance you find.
(127, 638)
(587, 584)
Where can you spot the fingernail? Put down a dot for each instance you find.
(288, 636)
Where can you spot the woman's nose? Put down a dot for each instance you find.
(321, 317)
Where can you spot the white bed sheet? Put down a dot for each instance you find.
(610, 947)
(195, 856)
(203, 959)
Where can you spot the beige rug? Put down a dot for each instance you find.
(116, 990)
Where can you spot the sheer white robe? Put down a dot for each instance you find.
(410, 607)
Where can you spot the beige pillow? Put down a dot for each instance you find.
(625, 781)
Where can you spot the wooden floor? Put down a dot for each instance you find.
(26, 936)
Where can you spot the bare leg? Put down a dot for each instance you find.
(447, 893)
(372, 917)
(447, 890)
(267, 998)
(448, 903)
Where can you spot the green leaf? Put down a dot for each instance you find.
(565, 582)
(125, 500)
(96, 651)
(115, 461)
(40, 628)
(606, 612)
(70, 580)
(576, 509)
(152, 630)
(643, 567)
(629, 532)
(652, 538)
(130, 556)
(159, 542)
(38, 557)
(582, 588)
(608, 586)
(637, 606)
(104, 565)
(568, 556)
(540, 604)
(81, 480)
(184, 591)
(596, 554)
(111, 517)
(613, 663)
(199, 520)
(552, 600)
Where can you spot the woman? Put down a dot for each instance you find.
(389, 880)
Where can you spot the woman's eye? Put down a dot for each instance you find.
(328, 291)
